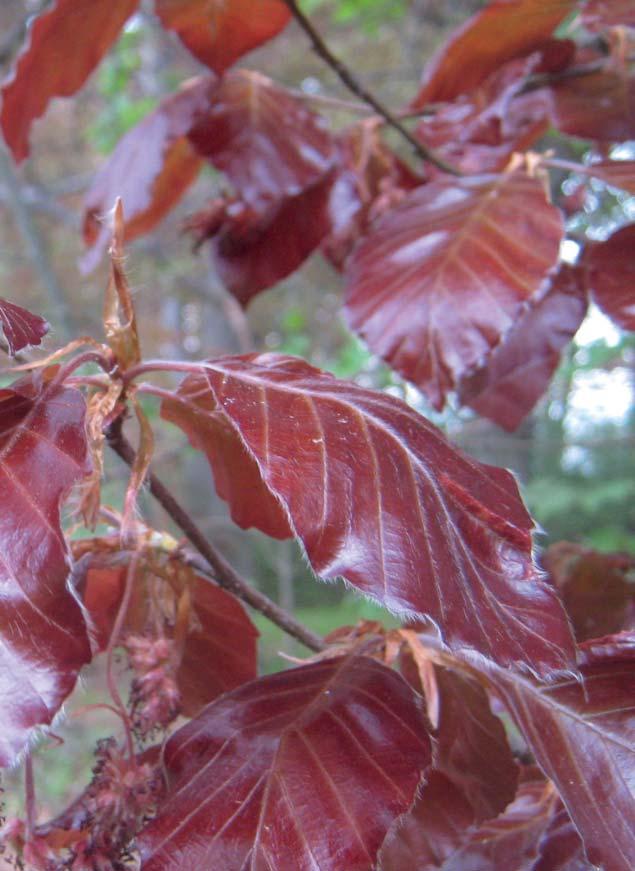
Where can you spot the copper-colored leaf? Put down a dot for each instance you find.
(472, 748)
(378, 495)
(43, 452)
(600, 14)
(504, 30)
(303, 769)
(582, 733)
(253, 250)
(446, 273)
(267, 142)
(518, 371)
(598, 589)
(611, 276)
(21, 328)
(600, 106)
(47, 68)
(561, 847)
(219, 32)
(150, 169)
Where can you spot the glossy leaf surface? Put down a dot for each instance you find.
(376, 494)
(218, 32)
(21, 328)
(504, 30)
(150, 169)
(519, 369)
(582, 734)
(43, 452)
(443, 276)
(263, 138)
(611, 276)
(302, 769)
(598, 589)
(46, 68)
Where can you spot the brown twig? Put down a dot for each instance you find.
(350, 81)
(225, 575)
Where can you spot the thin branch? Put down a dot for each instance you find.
(352, 83)
(225, 575)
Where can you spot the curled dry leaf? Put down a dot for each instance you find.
(376, 494)
(517, 372)
(46, 68)
(43, 452)
(238, 774)
(443, 276)
(504, 30)
(218, 32)
(21, 328)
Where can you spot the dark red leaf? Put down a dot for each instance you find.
(519, 369)
(617, 173)
(253, 250)
(46, 68)
(598, 589)
(432, 831)
(561, 847)
(43, 452)
(302, 769)
(504, 30)
(582, 733)
(611, 276)
(599, 106)
(600, 14)
(442, 277)
(21, 328)
(150, 169)
(472, 748)
(263, 138)
(376, 494)
(432, 837)
(218, 32)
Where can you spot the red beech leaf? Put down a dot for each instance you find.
(517, 372)
(432, 838)
(218, 32)
(599, 106)
(21, 328)
(43, 452)
(617, 173)
(376, 494)
(218, 648)
(263, 138)
(504, 30)
(611, 276)
(302, 769)
(472, 748)
(598, 589)
(253, 250)
(561, 847)
(600, 14)
(582, 734)
(442, 277)
(431, 831)
(150, 169)
(46, 68)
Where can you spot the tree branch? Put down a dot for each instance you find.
(350, 81)
(225, 575)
